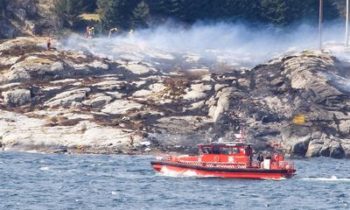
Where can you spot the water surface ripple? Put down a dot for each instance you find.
(59, 181)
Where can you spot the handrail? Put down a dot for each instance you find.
(286, 165)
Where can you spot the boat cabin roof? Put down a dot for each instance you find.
(224, 144)
(223, 148)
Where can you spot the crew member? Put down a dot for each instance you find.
(249, 152)
(260, 159)
(112, 31)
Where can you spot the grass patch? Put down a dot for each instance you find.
(90, 17)
(61, 121)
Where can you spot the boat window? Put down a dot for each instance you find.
(206, 150)
(225, 150)
(235, 150)
(216, 149)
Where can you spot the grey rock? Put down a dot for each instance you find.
(179, 110)
(296, 139)
(15, 75)
(68, 98)
(17, 97)
(336, 150)
(314, 148)
(346, 147)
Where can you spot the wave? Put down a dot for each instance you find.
(326, 179)
(45, 168)
(186, 173)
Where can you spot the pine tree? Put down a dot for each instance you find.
(140, 15)
(68, 10)
(110, 15)
(136, 13)
(274, 11)
(2, 8)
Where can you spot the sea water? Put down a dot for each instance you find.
(63, 181)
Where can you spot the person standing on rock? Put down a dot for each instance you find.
(48, 44)
(92, 32)
(131, 32)
(87, 32)
(112, 31)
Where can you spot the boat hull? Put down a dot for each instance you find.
(167, 167)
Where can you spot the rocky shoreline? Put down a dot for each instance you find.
(74, 101)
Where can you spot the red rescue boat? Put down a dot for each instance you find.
(226, 160)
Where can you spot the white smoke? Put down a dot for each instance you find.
(232, 44)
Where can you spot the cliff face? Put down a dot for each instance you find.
(60, 100)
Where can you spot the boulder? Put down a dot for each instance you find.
(121, 107)
(296, 139)
(67, 98)
(98, 101)
(325, 150)
(346, 147)
(15, 75)
(314, 148)
(17, 97)
(197, 91)
(336, 150)
(139, 68)
(222, 105)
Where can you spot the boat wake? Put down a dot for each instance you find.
(187, 173)
(326, 179)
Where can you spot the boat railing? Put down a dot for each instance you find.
(214, 164)
(164, 157)
(288, 165)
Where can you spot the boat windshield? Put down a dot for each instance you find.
(219, 150)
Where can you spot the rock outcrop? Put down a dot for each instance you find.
(60, 100)
(17, 97)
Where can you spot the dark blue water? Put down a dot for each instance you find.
(41, 181)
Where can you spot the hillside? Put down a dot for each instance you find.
(63, 100)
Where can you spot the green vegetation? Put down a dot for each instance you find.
(2, 8)
(128, 14)
(69, 10)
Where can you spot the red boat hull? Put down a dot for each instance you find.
(220, 172)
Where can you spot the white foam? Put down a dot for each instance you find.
(44, 168)
(327, 179)
(165, 171)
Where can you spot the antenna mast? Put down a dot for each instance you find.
(347, 24)
(320, 19)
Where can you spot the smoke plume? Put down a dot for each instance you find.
(235, 45)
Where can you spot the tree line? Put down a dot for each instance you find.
(2, 8)
(128, 14)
